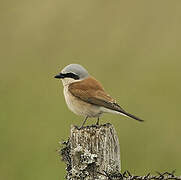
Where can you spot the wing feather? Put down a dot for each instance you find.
(91, 91)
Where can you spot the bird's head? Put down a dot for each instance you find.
(72, 73)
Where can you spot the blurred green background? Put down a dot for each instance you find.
(132, 47)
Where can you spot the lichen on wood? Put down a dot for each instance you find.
(90, 152)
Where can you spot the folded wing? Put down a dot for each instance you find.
(91, 91)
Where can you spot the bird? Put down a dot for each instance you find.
(85, 96)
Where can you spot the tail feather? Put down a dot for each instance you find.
(119, 109)
(132, 116)
(122, 112)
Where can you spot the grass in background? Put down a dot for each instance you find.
(132, 48)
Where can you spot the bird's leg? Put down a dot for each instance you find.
(83, 122)
(97, 123)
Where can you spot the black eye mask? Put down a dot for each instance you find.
(67, 75)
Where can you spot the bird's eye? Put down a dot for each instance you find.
(71, 75)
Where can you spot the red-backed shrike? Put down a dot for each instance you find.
(85, 96)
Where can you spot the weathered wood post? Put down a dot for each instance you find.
(91, 152)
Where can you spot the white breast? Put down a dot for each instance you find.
(80, 107)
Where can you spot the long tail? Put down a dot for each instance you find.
(130, 115)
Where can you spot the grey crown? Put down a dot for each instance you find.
(76, 69)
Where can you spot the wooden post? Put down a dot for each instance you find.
(92, 152)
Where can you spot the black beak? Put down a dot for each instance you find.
(59, 76)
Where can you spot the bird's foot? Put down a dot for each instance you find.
(97, 123)
(79, 127)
